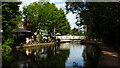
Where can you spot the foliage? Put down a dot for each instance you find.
(102, 19)
(10, 13)
(6, 48)
(46, 16)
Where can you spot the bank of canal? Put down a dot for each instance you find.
(62, 55)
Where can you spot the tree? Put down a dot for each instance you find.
(63, 26)
(46, 16)
(101, 19)
(10, 13)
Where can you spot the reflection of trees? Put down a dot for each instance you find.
(14, 59)
(91, 56)
(6, 57)
(44, 56)
(54, 58)
(57, 60)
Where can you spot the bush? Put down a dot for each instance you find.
(6, 47)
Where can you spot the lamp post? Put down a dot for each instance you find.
(54, 31)
(35, 36)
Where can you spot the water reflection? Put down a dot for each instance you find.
(91, 56)
(36, 57)
(66, 54)
(75, 57)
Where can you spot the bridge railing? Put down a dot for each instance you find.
(70, 37)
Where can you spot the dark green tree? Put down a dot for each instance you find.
(102, 19)
(10, 18)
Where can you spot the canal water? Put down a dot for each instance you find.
(63, 55)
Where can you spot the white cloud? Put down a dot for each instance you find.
(26, 2)
(72, 19)
(60, 5)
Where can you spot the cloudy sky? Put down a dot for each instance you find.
(59, 4)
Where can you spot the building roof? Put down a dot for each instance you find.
(21, 30)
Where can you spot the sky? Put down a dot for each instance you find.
(59, 4)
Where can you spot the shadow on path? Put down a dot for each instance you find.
(110, 58)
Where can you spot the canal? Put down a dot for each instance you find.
(63, 55)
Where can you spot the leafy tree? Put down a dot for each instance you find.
(46, 16)
(10, 13)
(102, 19)
(63, 24)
